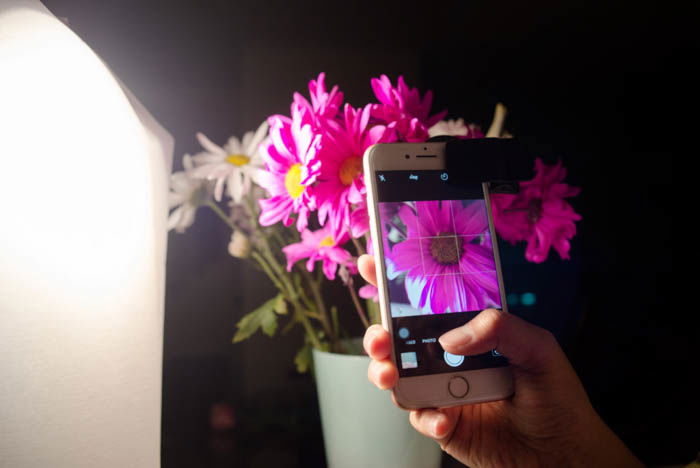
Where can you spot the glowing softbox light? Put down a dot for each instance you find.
(83, 187)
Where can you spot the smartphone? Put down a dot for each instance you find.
(437, 268)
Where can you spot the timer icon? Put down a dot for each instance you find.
(443, 176)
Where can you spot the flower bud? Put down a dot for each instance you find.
(239, 246)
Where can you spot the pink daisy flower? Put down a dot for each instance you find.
(359, 220)
(340, 183)
(323, 105)
(404, 109)
(292, 166)
(448, 266)
(320, 245)
(369, 291)
(538, 214)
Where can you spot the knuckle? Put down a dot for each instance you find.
(367, 340)
(369, 337)
(548, 335)
(381, 374)
(412, 418)
(548, 339)
(370, 372)
(418, 422)
(495, 319)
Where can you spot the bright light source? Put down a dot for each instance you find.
(82, 253)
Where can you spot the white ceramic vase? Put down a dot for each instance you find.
(361, 425)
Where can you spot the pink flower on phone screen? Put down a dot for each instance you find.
(446, 256)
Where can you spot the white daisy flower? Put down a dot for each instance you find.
(186, 195)
(236, 164)
(452, 128)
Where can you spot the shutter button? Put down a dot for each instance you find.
(458, 387)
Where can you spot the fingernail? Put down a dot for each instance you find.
(372, 375)
(368, 339)
(435, 432)
(378, 378)
(458, 338)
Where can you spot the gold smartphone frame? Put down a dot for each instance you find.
(427, 391)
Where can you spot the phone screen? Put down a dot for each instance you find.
(440, 266)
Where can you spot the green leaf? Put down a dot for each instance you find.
(263, 317)
(280, 305)
(303, 358)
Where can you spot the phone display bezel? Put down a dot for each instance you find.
(430, 390)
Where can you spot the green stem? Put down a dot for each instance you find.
(358, 306)
(283, 276)
(221, 214)
(358, 246)
(300, 313)
(266, 250)
(267, 261)
(266, 268)
(310, 305)
(334, 318)
(314, 286)
(281, 272)
(373, 311)
(310, 332)
(281, 241)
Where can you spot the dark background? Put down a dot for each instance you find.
(585, 82)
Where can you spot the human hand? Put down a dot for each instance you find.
(549, 420)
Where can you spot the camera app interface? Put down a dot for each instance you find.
(440, 265)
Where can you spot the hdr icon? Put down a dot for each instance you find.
(413, 177)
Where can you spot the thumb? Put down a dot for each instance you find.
(524, 344)
(367, 268)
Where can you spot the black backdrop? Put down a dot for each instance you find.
(585, 82)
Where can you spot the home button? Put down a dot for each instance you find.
(458, 387)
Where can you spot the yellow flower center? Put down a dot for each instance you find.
(238, 159)
(292, 181)
(326, 242)
(351, 168)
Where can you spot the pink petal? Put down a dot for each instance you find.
(406, 256)
(274, 209)
(369, 291)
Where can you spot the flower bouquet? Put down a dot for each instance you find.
(294, 196)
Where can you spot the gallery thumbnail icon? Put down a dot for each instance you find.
(409, 360)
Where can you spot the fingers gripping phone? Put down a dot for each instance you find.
(437, 268)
